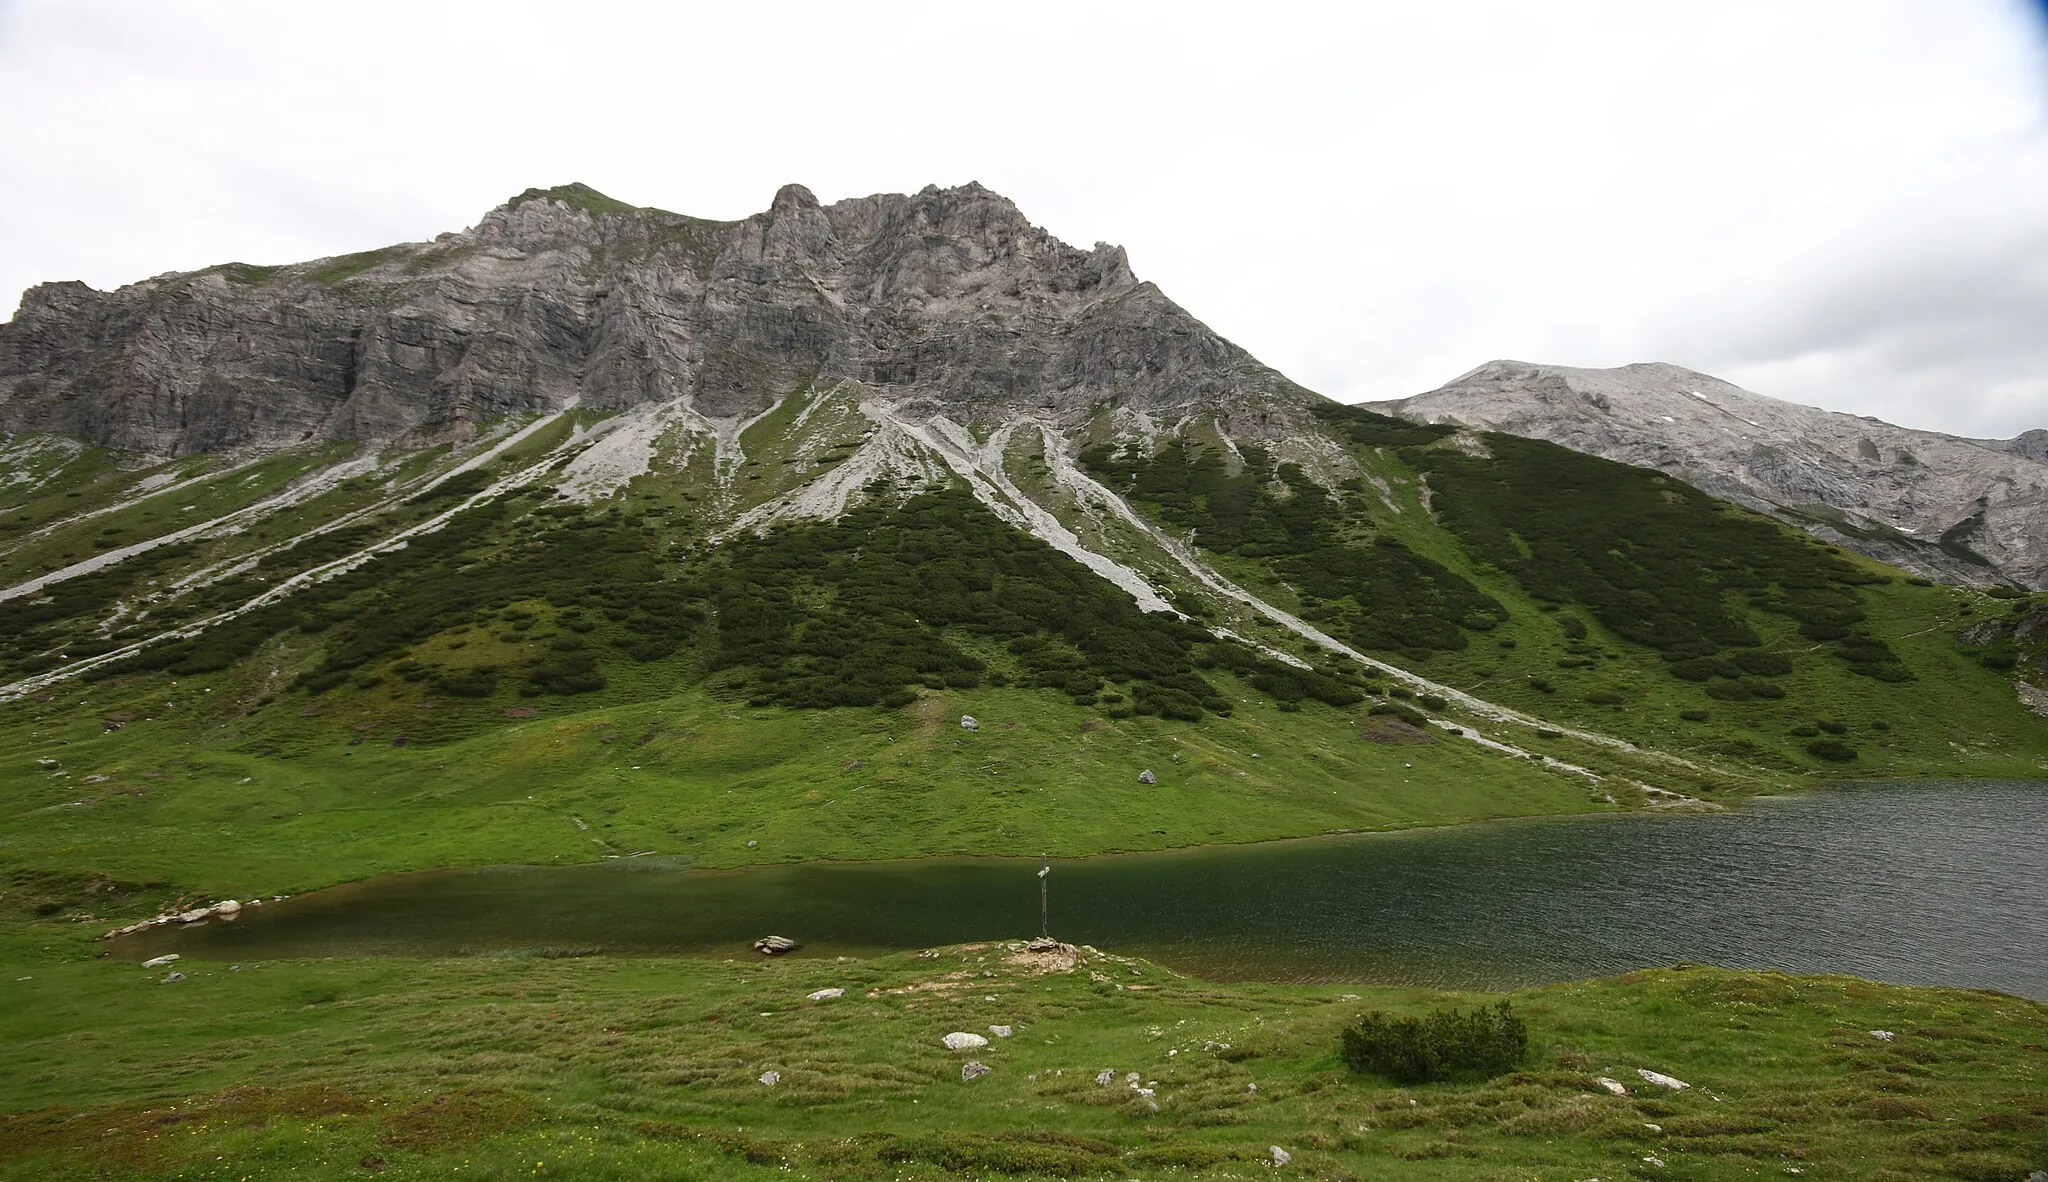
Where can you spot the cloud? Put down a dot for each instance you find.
(1838, 201)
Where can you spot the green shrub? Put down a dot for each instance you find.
(1693, 715)
(1444, 1045)
(1432, 702)
(1832, 750)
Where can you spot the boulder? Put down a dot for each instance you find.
(960, 1040)
(775, 945)
(1146, 777)
(1105, 1077)
(170, 977)
(1613, 1086)
(969, 723)
(157, 962)
(973, 1070)
(1280, 1156)
(827, 994)
(1662, 1080)
(771, 1078)
(1001, 1031)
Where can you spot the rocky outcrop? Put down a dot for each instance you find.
(946, 299)
(1958, 509)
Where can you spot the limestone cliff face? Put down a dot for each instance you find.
(948, 297)
(1967, 509)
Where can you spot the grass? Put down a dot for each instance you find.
(604, 1068)
(182, 798)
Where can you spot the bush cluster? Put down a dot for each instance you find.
(1654, 559)
(1445, 1045)
(1376, 590)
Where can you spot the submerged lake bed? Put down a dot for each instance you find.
(1925, 882)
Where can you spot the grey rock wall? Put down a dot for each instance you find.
(948, 297)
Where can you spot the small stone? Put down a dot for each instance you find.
(1001, 1031)
(771, 1078)
(827, 994)
(157, 962)
(1655, 1161)
(969, 723)
(1280, 1156)
(1884, 1035)
(170, 977)
(973, 1070)
(1133, 1078)
(1612, 1085)
(1662, 1080)
(961, 1040)
(752, 844)
(1146, 777)
(775, 945)
(1105, 1077)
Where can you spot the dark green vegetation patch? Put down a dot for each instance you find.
(1444, 1044)
(1372, 590)
(1654, 559)
(857, 612)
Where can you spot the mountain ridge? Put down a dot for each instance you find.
(948, 297)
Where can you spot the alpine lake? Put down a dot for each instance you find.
(1922, 882)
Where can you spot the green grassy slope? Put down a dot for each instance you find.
(496, 1068)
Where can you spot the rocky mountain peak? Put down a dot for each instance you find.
(948, 298)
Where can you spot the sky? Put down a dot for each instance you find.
(1840, 203)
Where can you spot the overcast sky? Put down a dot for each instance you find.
(1842, 203)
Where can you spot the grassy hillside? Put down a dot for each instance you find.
(1589, 592)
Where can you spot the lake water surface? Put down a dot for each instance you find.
(1931, 882)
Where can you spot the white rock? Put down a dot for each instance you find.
(973, 1070)
(157, 962)
(1280, 1156)
(771, 1078)
(170, 977)
(194, 915)
(1001, 1031)
(226, 907)
(960, 1040)
(969, 723)
(1146, 777)
(1612, 1085)
(1886, 1035)
(1662, 1080)
(1105, 1077)
(827, 994)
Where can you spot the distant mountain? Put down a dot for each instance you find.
(1958, 509)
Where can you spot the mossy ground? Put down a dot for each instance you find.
(606, 1068)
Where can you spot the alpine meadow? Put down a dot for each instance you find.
(896, 528)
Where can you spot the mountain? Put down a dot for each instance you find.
(598, 530)
(565, 297)
(887, 529)
(1967, 510)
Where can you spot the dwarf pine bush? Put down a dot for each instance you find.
(1447, 1043)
